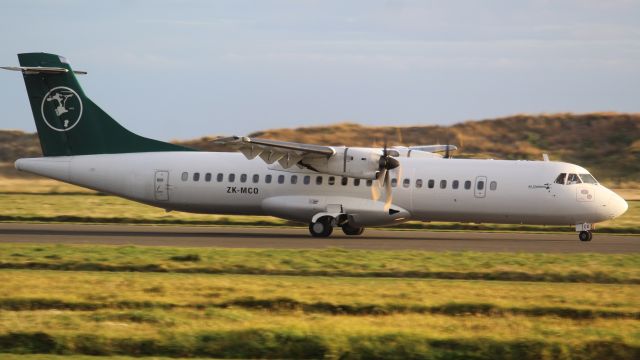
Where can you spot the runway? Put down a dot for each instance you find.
(299, 238)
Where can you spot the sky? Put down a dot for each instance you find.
(185, 69)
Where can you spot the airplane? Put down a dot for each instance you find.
(323, 186)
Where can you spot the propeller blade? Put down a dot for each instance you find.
(387, 187)
(447, 154)
(384, 149)
(376, 187)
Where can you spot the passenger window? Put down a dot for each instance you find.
(256, 178)
(318, 180)
(219, 177)
(419, 183)
(232, 177)
(356, 182)
(493, 185)
(431, 184)
(196, 176)
(394, 182)
(467, 185)
(207, 177)
(267, 178)
(332, 180)
(443, 184)
(294, 179)
(369, 182)
(560, 178)
(280, 179)
(243, 178)
(185, 176)
(480, 185)
(455, 184)
(344, 181)
(406, 182)
(307, 180)
(573, 179)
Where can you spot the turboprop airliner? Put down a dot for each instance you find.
(323, 186)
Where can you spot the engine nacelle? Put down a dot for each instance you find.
(362, 163)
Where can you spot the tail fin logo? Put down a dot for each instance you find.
(61, 108)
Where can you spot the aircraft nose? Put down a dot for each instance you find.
(618, 205)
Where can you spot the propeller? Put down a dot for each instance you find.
(385, 164)
(447, 153)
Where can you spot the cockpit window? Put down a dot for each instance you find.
(560, 178)
(573, 179)
(588, 179)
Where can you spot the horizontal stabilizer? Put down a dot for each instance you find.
(41, 70)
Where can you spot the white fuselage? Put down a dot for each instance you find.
(511, 191)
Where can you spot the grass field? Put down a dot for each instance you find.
(235, 303)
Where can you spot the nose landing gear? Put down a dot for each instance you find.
(585, 235)
(584, 231)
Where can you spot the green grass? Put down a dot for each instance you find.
(93, 208)
(192, 315)
(594, 268)
(263, 303)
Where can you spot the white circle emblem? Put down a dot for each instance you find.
(61, 108)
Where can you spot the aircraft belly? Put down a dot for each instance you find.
(363, 212)
(493, 208)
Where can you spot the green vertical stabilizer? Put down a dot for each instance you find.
(68, 122)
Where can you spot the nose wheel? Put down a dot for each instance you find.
(585, 235)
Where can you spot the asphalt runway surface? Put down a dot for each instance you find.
(299, 238)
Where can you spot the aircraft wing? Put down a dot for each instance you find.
(287, 154)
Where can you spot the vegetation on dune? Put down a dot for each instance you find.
(605, 143)
(587, 268)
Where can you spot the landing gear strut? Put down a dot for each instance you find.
(585, 235)
(322, 228)
(352, 231)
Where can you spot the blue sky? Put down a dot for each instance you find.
(182, 69)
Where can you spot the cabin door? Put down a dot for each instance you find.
(162, 185)
(480, 190)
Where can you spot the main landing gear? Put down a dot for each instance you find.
(324, 227)
(352, 231)
(585, 235)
